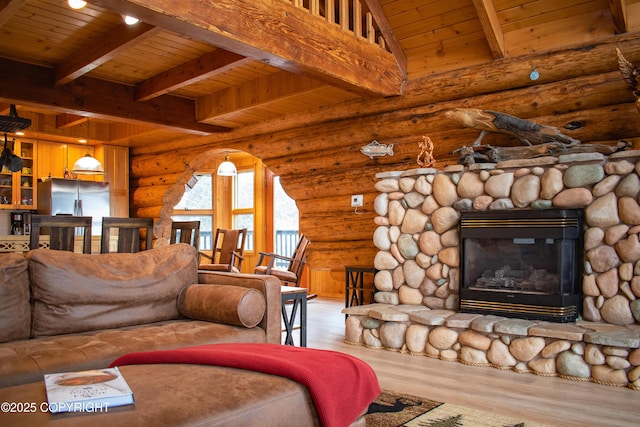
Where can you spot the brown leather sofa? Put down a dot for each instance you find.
(62, 311)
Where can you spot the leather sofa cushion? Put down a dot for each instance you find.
(74, 292)
(15, 309)
(232, 305)
(25, 361)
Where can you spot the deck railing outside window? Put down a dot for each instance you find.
(285, 243)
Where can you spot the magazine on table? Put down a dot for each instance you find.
(87, 391)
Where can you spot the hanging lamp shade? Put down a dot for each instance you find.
(87, 165)
(227, 168)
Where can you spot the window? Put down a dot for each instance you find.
(226, 202)
(285, 221)
(243, 205)
(197, 205)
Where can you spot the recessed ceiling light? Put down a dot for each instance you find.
(76, 4)
(130, 20)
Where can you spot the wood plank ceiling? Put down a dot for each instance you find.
(186, 69)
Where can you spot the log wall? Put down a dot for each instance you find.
(316, 154)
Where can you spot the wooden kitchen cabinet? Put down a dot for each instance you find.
(54, 157)
(18, 189)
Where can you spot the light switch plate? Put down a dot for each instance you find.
(356, 200)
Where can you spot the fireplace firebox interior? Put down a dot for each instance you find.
(522, 264)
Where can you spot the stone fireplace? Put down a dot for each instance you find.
(522, 263)
(421, 305)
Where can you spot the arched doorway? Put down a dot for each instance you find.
(227, 209)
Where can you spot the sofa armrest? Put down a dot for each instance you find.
(269, 286)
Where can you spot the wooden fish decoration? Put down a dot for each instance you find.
(375, 149)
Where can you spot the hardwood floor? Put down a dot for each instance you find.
(554, 401)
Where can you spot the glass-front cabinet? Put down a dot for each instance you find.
(18, 189)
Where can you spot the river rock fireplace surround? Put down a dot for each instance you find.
(420, 306)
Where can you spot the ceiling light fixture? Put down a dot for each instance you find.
(87, 165)
(227, 168)
(76, 4)
(130, 20)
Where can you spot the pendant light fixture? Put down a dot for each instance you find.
(87, 165)
(227, 168)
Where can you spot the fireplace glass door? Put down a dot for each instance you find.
(525, 264)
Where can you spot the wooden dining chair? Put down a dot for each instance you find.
(63, 230)
(185, 232)
(228, 251)
(292, 275)
(129, 232)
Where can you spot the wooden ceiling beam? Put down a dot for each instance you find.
(30, 85)
(201, 68)
(92, 56)
(618, 10)
(66, 120)
(43, 124)
(127, 131)
(491, 27)
(276, 33)
(260, 91)
(8, 8)
(386, 30)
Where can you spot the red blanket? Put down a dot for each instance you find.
(341, 386)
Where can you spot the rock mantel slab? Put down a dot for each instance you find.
(388, 314)
(561, 331)
(462, 320)
(617, 338)
(513, 327)
(431, 317)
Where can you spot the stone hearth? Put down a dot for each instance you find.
(417, 284)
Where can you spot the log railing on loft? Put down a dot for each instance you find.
(350, 15)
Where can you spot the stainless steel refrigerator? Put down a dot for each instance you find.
(75, 197)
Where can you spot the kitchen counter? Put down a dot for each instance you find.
(20, 244)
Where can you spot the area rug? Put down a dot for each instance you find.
(392, 409)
